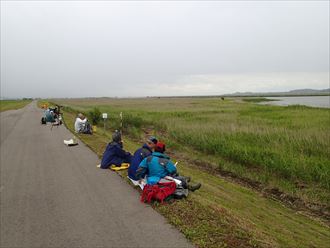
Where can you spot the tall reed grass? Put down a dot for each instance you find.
(290, 142)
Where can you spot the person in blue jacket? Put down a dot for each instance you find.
(156, 166)
(139, 155)
(159, 165)
(114, 154)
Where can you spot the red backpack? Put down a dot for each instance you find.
(157, 192)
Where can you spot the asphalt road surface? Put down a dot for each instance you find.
(54, 196)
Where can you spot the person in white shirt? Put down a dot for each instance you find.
(80, 123)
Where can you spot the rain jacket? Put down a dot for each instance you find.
(155, 167)
(79, 124)
(137, 158)
(115, 154)
(49, 116)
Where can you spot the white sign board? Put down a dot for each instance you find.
(104, 115)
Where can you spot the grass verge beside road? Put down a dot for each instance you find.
(222, 213)
(13, 104)
(283, 148)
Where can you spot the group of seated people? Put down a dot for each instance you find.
(148, 163)
(52, 115)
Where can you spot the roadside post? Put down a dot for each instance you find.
(104, 116)
(121, 122)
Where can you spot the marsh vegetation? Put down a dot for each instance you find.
(284, 149)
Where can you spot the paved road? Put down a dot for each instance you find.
(54, 196)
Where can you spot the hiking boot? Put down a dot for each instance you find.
(194, 187)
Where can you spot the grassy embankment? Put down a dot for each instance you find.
(13, 104)
(248, 140)
(285, 147)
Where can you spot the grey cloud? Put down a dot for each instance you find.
(63, 49)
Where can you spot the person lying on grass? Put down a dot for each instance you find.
(158, 166)
(139, 155)
(114, 153)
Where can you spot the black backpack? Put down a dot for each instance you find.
(87, 128)
(43, 121)
(180, 192)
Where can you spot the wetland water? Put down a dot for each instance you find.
(312, 101)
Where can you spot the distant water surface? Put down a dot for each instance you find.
(312, 101)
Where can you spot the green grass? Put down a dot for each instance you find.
(277, 146)
(13, 104)
(222, 213)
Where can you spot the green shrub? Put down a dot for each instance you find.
(69, 109)
(95, 116)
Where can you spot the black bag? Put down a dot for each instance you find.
(43, 121)
(87, 129)
(180, 192)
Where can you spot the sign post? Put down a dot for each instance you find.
(104, 116)
(121, 122)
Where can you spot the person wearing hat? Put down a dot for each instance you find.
(158, 166)
(114, 153)
(141, 154)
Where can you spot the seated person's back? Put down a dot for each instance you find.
(114, 153)
(49, 116)
(80, 123)
(156, 166)
(139, 155)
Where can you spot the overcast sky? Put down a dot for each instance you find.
(107, 48)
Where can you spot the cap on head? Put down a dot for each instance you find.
(160, 147)
(152, 139)
(116, 136)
